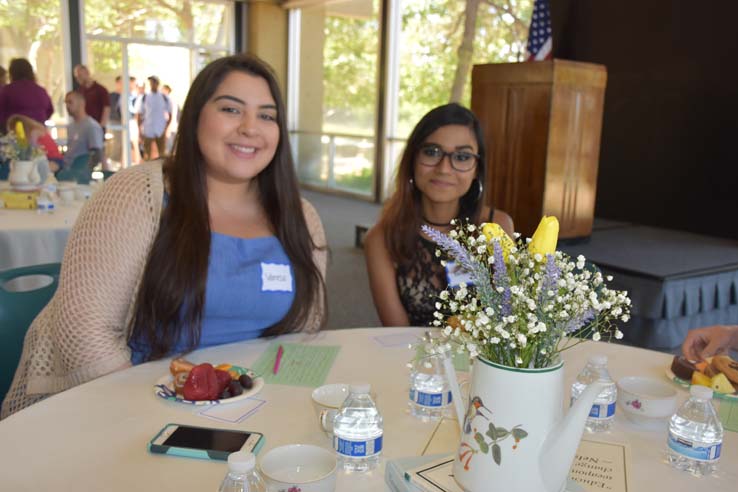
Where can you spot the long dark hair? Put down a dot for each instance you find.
(402, 216)
(170, 301)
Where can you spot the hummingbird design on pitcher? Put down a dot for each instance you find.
(475, 404)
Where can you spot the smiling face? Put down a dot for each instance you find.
(442, 183)
(237, 131)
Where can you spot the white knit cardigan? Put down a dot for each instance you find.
(82, 333)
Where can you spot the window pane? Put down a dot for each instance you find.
(177, 21)
(432, 32)
(214, 23)
(32, 29)
(337, 91)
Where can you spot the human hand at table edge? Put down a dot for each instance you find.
(710, 340)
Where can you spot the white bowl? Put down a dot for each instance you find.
(301, 466)
(646, 401)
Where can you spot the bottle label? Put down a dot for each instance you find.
(435, 400)
(604, 411)
(357, 449)
(693, 450)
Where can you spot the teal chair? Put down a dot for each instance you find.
(79, 171)
(17, 311)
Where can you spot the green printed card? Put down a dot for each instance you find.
(301, 365)
(728, 413)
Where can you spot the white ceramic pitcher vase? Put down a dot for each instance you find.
(24, 173)
(515, 437)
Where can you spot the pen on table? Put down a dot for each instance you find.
(278, 359)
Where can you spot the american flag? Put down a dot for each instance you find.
(539, 35)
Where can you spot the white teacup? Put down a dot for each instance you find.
(327, 399)
(299, 466)
(66, 195)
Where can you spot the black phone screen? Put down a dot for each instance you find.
(207, 439)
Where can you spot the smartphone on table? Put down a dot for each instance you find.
(204, 443)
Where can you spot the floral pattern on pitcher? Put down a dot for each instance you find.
(495, 435)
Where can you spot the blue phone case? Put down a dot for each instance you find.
(203, 454)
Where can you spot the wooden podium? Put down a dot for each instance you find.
(542, 124)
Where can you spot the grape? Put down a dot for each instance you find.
(246, 381)
(225, 394)
(235, 388)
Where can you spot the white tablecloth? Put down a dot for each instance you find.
(28, 237)
(94, 437)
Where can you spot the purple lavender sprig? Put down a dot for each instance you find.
(501, 280)
(479, 273)
(550, 281)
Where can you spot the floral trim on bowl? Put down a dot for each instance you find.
(635, 404)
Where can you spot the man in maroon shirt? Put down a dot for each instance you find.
(97, 99)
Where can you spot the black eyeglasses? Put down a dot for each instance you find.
(461, 160)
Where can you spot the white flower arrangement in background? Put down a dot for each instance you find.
(528, 302)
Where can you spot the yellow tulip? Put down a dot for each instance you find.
(544, 239)
(494, 231)
(20, 133)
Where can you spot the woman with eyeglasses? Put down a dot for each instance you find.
(439, 179)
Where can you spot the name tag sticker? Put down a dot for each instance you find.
(276, 277)
(456, 275)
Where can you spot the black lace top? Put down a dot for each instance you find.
(420, 281)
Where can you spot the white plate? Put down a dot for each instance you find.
(164, 388)
(687, 384)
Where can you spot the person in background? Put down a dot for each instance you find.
(38, 135)
(23, 95)
(84, 134)
(710, 340)
(174, 122)
(439, 179)
(97, 99)
(154, 116)
(3, 77)
(213, 245)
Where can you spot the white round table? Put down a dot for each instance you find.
(28, 237)
(93, 437)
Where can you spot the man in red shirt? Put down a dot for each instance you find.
(97, 99)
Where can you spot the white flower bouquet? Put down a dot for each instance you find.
(528, 302)
(16, 146)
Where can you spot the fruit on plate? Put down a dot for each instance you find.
(202, 383)
(721, 384)
(726, 365)
(682, 368)
(701, 379)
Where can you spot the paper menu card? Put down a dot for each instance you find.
(602, 466)
(301, 365)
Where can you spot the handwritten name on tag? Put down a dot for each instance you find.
(456, 275)
(276, 277)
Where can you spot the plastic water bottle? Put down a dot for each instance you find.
(695, 434)
(241, 474)
(602, 413)
(430, 393)
(357, 431)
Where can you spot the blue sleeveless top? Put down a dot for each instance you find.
(250, 287)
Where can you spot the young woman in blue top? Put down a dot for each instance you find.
(214, 245)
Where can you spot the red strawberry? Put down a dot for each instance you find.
(202, 383)
(224, 378)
